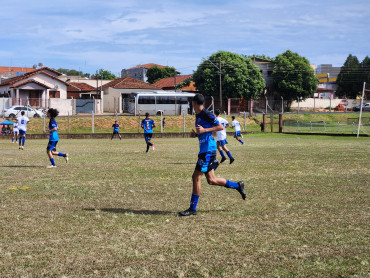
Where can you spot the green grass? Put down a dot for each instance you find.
(112, 210)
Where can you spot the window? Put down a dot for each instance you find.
(146, 100)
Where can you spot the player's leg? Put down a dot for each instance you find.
(120, 137)
(50, 150)
(237, 138)
(213, 180)
(219, 148)
(192, 210)
(228, 153)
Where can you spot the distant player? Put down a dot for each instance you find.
(221, 138)
(235, 124)
(163, 123)
(148, 124)
(205, 124)
(53, 137)
(22, 126)
(116, 130)
(15, 131)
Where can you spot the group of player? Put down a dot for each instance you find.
(205, 124)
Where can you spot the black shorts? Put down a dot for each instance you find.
(52, 146)
(148, 136)
(207, 162)
(115, 132)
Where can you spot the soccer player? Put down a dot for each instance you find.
(147, 124)
(205, 124)
(221, 138)
(22, 126)
(15, 131)
(235, 124)
(116, 130)
(53, 137)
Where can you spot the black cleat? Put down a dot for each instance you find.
(223, 159)
(187, 212)
(241, 190)
(232, 160)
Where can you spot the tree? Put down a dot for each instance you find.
(365, 64)
(73, 72)
(156, 73)
(239, 76)
(261, 56)
(293, 77)
(350, 78)
(103, 74)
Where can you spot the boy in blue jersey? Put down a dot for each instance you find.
(116, 130)
(205, 124)
(53, 137)
(147, 124)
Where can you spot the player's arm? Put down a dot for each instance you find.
(200, 129)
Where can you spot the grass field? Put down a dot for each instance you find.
(112, 210)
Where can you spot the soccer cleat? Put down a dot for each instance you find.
(241, 189)
(232, 160)
(66, 158)
(187, 212)
(21, 147)
(51, 166)
(223, 159)
(153, 147)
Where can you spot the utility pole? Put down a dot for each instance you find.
(220, 74)
(359, 118)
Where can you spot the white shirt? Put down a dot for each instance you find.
(221, 135)
(236, 125)
(22, 123)
(15, 127)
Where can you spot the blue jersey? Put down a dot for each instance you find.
(206, 141)
(53, 136)
(148, 125)
(115, 127)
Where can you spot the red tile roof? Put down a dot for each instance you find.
(30, 81)
(15, 69)
(78, 87)
(129, 83)
(26, 75)
(169, 82)
(147, 66)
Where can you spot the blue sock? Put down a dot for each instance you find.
(194, 201)
(20, 141)
(241, 141)
(229, 155)
(231, 184)
(52, 161)
(62, 154)
(12, 139)
(24, 140)
(222, 153)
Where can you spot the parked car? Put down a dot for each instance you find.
(15, 111)
(365, 107)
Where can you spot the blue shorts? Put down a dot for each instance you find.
(52, 146)
(237, 133)
(148, 136)
(116, 131)
(22, 132)
(207, 162)
(222, 142)
(15, 132)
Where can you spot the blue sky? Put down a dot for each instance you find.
(88, 35)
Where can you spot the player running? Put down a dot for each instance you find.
(53, 137)
(15, 131)
(221, 138)
(148, 124)
(116, 130)
(22, 126)
(205, 124)
(235, 124)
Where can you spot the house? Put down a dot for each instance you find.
(117, 93)
(9, 72)
(78, 90)
(183, 83)
(139, 72)
(35, 87)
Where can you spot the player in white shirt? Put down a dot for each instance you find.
(235, 124)
(22, 126)
(221, 138)
(15, 131)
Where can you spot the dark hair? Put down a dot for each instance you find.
(233, 117)
(198, 99)
(217, 112)
(22, 113)
(53, 112)
(146, 114)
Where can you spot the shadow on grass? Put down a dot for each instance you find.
(121, 210)
(182, 163)
(21, 166)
